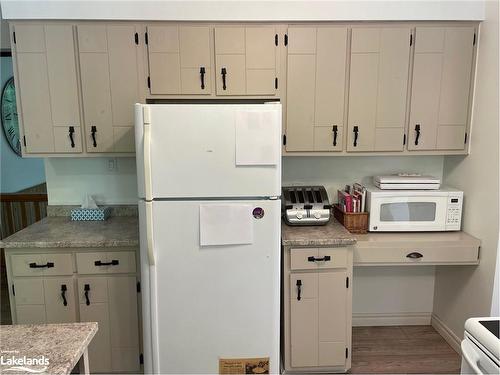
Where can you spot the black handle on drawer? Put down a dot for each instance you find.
(414, 255)
(355, 130)
(46, 265)
(114, 262)
(417, 136)
(93, 130)
(299, 289)
(202, 77)
(326, 258)
(223, 72)
(335, 130)
(86, 288)
(63, 294)
(71, 132)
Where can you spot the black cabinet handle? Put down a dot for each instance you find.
(299, 287)
(202, 76)
(71, 132)
(223, 72)
(114, 262)
(355, 129)
(414, 255)
(335, 130)
(63, 294)
(93, 130)
(326, 258)
(46, 265)
(86, 288)
(417, 130)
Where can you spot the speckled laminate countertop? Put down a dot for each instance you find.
(331, 234)
(62, 344)
(60, 231)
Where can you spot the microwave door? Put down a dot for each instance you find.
(408, 214)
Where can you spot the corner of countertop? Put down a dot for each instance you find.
(331, 234)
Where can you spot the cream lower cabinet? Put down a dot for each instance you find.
(317, 304)
(81, 285)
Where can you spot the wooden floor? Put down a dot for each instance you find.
(402, 350)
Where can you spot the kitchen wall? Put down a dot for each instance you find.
(463, 292)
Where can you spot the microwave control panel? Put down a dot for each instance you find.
(454, 212)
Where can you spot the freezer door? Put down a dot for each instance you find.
(208, 150)
(215, 301)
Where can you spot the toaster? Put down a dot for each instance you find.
(305, 205)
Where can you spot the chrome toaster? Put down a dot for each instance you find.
(305, 205)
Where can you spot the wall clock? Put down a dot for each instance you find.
(10, 123)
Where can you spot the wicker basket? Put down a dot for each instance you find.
(354, 222)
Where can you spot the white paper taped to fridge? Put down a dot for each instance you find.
(225, 224)
(257, 138)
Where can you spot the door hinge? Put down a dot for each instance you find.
(138, 287)
(13, 290)
(404, 139)
(285, 42)
(276, 83)
(276, 39)
(14, 37)
(465, 140)
(149, 82)
(136, 38)
(141, 359)
(347, 352)
(411, 39)
(347, 282)
(146, 37)
(24, 140)
(473, 40)
(284, 139)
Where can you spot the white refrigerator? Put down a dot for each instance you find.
(209, 182)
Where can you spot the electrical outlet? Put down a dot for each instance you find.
(112, 165)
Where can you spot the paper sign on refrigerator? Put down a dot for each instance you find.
(226, 224)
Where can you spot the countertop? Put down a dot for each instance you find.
(61, 344)
(331, 234)
(60, 231)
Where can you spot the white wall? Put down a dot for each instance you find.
(247, 10)
(463, 292)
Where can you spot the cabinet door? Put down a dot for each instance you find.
(60, 301)
(304, 319)
(378, 88)
(47, 87)
(316, 88)
(442, 74)
(110, 87)
(30, 301)
(245, 60)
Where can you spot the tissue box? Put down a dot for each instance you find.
(90, 214)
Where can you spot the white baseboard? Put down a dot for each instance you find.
(446, 333)
(391, 319)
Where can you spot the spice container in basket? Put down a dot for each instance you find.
(354, 222)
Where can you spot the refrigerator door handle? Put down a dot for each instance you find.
(147, 155)
(149, 233)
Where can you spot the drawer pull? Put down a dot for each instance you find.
(299, 287)
(417, 131)
(63, 294)
(326, 258)
(71, 132)
(86, 288)
(93, 130)
(355, 130)
(114, 262)
(202, 76)
(47, 265)
(223, 72)
(335, 130)
(414, 255)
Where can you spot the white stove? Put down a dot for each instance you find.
(481, 346)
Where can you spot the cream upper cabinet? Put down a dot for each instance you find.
(179, 59)
(380, 61)
(47, 87)
(440, 98)
(316, 77)
(109, 73)
(246, 60)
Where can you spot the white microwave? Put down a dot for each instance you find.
(414, 210)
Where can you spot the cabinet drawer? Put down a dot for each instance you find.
(322, 258)
(41, 264)
(106, 262)
(426, 255)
